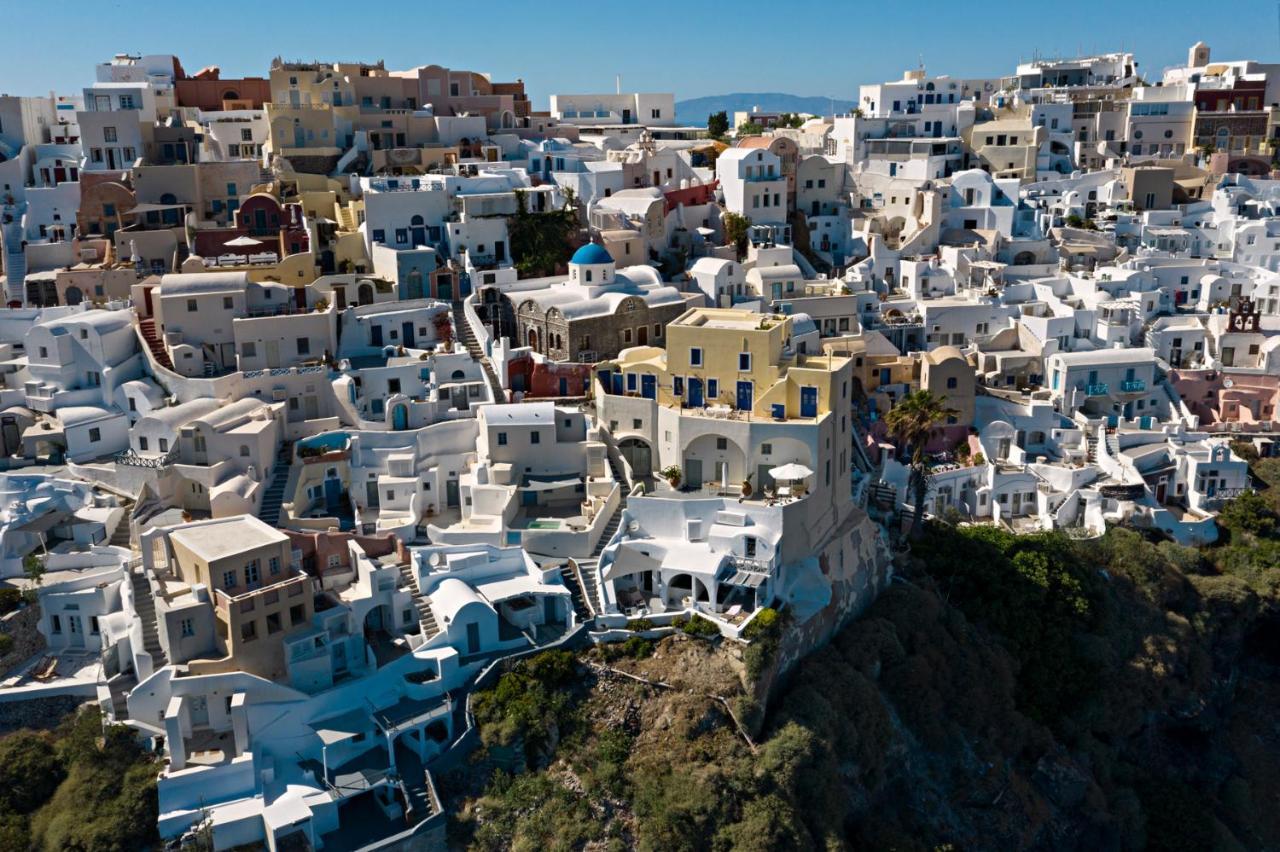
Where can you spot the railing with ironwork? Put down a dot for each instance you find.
(1097, 389)
(131, 459)
(1133, 385)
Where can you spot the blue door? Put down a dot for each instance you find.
(444, 290)
(808, 402)
(617, 384)
(400, 418)
(375, 335)
(528, 498)
(695, 393)
(564, 386)
(649, 386)
(406, 331)
(332, 495)
(605, 384)
(745, 394)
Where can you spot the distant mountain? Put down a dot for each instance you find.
(695, 110)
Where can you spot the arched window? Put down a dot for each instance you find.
(417, 221)
(168, 198)
(458, 375)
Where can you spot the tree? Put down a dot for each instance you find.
(540, 242)
(735, 231)
(911, 421)
(718, 124)
(749, 128)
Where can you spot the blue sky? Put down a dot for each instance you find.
(691, 48)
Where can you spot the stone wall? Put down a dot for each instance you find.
(39, 713)
(27, 641)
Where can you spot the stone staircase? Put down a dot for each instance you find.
(609, 529)
(151, 337)
(273, 497)
(121, 537)
(120, 686)
(1091, 447)
(426, 618)
(585, 594)
(146, 607)
(468, 339)
(413, 782)
(346, 221)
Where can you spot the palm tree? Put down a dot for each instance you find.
(911, 421)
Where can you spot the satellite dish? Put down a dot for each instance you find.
(434, 560)
(1227, 383)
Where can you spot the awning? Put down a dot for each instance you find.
(747, 579)
(533, 484)
(344, 726)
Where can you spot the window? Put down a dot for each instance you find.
(722, 443)
(304, 346)
(164, 445)
(273, 565)
(695, 356)
(766, 449)
(535, 438)
(231, 189)
(744, 361)
(657, 329)
(657, 113)
(228, 579)
(273, 623)
(95, 435)
(192, 306)
(249, 349)
(402, 236)
(297, 614)
(252, 573)
(502, 439)
(249, 631)
(227, 303)
(393, 386)
(951, 383)
(187, 627)
(108, 134)
(379, 235)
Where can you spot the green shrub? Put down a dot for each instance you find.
(638, 648)
(699, 626)
(10, 599)
(640, 624)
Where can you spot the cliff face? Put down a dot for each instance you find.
(1005, 692)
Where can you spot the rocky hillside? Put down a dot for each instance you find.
(1006, 693)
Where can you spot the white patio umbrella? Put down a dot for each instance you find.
(243, 241)
(790, 470)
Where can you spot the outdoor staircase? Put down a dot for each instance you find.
(273, 497)
(585, 592)
(346, 221)
(120, 537)
(1091, 447)
(413, 782)
(468, 339)
(426, 618)
(265, 175)
(120, 686)
(15, 259)
(607, 535)
(145, 605)
(152, 338)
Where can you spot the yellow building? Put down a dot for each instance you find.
(728, 400)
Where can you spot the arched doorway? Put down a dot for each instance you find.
(74, 296)
(638, 454)
(418, 230)
(533, 339)
(400, 417)
(364, 293)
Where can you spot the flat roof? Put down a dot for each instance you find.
(215, 539)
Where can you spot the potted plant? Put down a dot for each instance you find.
(747, 489)
(673, 475)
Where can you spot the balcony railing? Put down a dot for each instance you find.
(1133, 385)
(1097, 389)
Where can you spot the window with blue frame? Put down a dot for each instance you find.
(713, 388)
(677, 385)
(631, 381)
(695, 356)
(379, 235)
(231, 189)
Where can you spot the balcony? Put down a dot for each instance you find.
(1097, 389)
(1133, 386)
